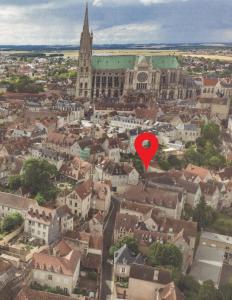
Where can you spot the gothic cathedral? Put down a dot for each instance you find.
(129, 78)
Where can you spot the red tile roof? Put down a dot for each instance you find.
(210, 81)
(29, 294)
(63, 265)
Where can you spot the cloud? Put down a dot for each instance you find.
(132, 2)
(116, 21)
(128, 33)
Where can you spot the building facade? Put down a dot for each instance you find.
(129, 78)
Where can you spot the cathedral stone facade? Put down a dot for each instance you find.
(129, 78)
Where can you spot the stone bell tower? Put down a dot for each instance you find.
(84, 71)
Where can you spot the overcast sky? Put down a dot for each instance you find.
(115, 21)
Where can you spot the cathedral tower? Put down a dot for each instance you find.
(84, 71)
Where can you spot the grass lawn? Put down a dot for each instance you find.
(222, 225)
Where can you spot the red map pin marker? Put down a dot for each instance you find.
(146, 153)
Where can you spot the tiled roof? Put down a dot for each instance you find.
(210, 81)
(136, 207)
(147, 273)
(91, 261)
(61, 139)
(96, 241)
(4, 266)
(40, 214)
(15, 201)
(198, 171)
(159, 196)
(63, 211)
(62, 248)
(63, 265)
(147, 238)
(29, 294)
(84, 189)
(126, 222)
(189, 227)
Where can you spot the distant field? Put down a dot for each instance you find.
(126, 52)
(213, 57)
(148, 52)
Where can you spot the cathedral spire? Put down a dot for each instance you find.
(86, 22)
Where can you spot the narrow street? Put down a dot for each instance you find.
(107, 268)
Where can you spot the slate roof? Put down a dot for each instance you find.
(125, 256)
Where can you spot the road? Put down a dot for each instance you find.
(107, 268)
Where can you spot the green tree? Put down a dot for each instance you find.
(165, 255)
(226, 291)
(203, 214)
(129, 241)
(15, 182)
(175, 162)
(211, 132)
(11, 221)
(193, 156)
(37, 178)
(40, 199)
(138, 163)
(188, 212)
(189, 287)
(216, 162)
(208, 292)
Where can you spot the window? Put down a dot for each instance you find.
(104, 81)
(153, 77)
(110, 81)
(123, 270)
(49, 277)
(131, 78)
(116, 81)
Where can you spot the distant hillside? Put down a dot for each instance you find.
(182, 47)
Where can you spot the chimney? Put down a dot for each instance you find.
(156, 275)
